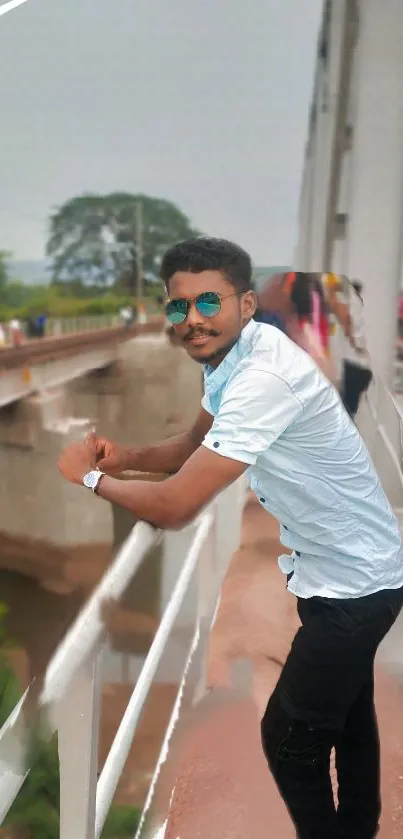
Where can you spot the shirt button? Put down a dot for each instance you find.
(263, 500)
(216, 445)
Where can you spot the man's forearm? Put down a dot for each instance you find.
(166, 457)
(170, 455)
(147, 501)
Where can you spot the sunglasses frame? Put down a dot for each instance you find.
(193, 301)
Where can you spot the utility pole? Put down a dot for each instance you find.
(139, 251)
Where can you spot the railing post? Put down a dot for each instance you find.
(229, 508)
(207, 573)
(377, 406)
(207, 593)
(78, 715)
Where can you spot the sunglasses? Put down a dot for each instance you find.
(208, 304)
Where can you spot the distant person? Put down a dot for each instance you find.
(400, 315)
(15, 331)
(141, 313)
(319, 312)
(333, 289)
(41, 325)
(357, 374)
(32, 329)
(127, 315)
(261, 316)
(3, 341)
(298, 302)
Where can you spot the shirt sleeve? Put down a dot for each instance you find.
(256, 408)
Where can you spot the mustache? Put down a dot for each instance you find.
(200, 333)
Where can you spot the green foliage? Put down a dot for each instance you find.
(4, 256)
(56, 305)
(36, 808)
(10, 692)
(121, 822)
(65, 300)
(15, 295)
(93, 237)
(35, 811)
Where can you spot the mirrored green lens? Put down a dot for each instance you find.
(208, 304)
(176, 311)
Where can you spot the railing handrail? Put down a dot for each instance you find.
(169, 732)
(82, 646)
(378, 397)
(120, 748)
(83, 635)
(88, 628)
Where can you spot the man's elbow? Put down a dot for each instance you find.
(174, 520)
(174, 515)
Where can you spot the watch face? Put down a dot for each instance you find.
(91, 479)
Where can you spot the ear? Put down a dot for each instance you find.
(248, 304)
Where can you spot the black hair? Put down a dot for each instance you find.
(357, 286)
(301, 295)
(208, 254)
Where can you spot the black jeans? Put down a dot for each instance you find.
(356, 380)
(324, 699)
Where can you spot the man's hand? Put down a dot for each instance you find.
(110, 457)
(78, 459)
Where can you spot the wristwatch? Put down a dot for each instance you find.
(91, 479)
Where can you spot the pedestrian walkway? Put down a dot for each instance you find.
(222, 787)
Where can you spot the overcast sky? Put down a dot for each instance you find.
(202, 102)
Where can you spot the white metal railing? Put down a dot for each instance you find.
(73, 683)
(380, 420)
(381, 425)
(70, 325)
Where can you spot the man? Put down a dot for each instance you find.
(357, 375)
(268, 410)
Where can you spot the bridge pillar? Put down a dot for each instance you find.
(375, 227)
(23, 422)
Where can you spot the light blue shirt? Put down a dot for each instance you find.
(275, 411)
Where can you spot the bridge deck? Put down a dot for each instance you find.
(222, 787)
(39, 351)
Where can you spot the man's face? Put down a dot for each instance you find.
(209, 339)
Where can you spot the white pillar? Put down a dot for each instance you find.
(316, 184)
(376, 208)
(301, 252)
(327, 111)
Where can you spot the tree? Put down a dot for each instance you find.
(4, 257)
(93, 238)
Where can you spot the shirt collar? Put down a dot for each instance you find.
(214, 378)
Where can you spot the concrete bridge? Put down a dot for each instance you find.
(43, 364)
(128, 382)
(231, 636)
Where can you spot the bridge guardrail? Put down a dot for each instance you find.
(380, 421)
(67, 326)
(73, 681)
(40, 350)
